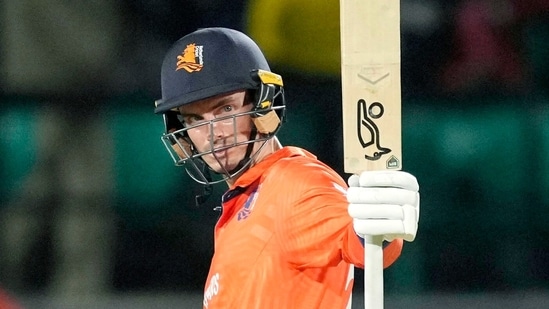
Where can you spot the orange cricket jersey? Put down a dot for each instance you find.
(285, 239)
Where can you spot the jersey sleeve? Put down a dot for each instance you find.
(314, 228)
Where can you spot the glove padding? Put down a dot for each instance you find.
(384, 203)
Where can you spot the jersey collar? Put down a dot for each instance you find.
(252, 174)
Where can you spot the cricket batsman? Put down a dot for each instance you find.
(290, 228)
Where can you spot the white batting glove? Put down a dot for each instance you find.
(384, 203)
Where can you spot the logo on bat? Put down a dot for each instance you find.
(367, 130)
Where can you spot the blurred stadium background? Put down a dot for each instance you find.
(93, 214)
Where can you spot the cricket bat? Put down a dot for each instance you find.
(371, 99)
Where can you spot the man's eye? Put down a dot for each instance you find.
(191, 119)
(227, 108)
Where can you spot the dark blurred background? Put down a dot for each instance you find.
(93, 214)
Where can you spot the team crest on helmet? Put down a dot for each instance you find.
(191, 59)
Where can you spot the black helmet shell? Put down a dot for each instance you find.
(206, 63)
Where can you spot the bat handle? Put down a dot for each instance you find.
(373, 272)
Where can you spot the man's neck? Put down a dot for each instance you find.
(271, 146)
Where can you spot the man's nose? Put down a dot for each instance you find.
(219, 128)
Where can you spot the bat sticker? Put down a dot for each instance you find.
(367, 130)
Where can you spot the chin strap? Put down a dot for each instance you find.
(247, 155)
(200, 199)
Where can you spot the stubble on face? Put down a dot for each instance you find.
(216, 136)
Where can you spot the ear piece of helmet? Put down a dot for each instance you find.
(265, 118)
(178, 142)
(182, 148)
(171, 122)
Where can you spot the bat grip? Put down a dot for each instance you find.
(373, 272)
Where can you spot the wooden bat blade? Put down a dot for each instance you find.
(371, 99)
(370, 75)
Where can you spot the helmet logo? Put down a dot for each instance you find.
(190, 59)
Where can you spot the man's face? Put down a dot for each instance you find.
(210, 134)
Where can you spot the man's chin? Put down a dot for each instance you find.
(225, 169)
